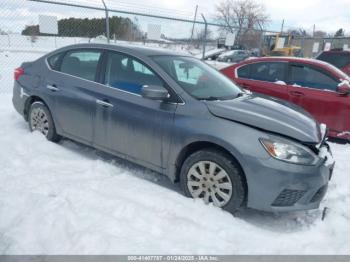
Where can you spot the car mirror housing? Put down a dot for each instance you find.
(344, 88)
(154, 92)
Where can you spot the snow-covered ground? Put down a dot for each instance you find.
(218, 65)
(8, 62)
(67, 198)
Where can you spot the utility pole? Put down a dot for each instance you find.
(282, 26)
(313, 31)
(205, 36)
(194, 21)
(261, 45)
(107, 21)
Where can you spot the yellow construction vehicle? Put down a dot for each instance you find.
(279, 45)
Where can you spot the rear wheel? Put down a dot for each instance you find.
(214, 177)
(40, 119)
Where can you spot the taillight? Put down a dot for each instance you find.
(18, 72)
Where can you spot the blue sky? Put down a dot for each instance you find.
(326, 15)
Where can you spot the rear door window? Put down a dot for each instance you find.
(54, 60)
(243, 71)
(268, 71)
(306, 76)
(81, 63)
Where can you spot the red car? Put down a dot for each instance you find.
(319, 87)
(340, 59)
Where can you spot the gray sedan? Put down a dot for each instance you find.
(178, 116)
(233, 56)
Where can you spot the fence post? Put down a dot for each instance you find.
(261, 40)
(205, 36)
(9, 40)
(261, 43)
(194, 22)
(303, 46)
(107, 21)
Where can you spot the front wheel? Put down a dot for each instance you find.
(214, 177)
(40, 119)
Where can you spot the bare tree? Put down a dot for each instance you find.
(340, 32)
(201, 35)
(241, 16)
(298, 32)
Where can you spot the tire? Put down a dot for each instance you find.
(212, 160)
(40, 119)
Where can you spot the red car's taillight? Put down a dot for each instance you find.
(18, 72)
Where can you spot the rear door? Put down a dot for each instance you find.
(315, 90)
(268, 78)
(72, 87)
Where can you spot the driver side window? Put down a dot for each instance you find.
(307, 76)
(128, 74)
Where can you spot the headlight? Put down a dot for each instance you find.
(289, 151)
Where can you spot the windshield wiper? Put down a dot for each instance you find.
(215, 98)
(209, 98)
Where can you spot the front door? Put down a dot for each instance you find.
(127, 123)
(315, 90)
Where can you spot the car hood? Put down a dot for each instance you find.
(269, 114)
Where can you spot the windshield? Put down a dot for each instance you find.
(197, 78)
(342, 75)
(229, 53)
(339, 60)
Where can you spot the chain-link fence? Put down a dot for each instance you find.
(22, 37)
(311, 46)
(96, 21)
(117, 22)
(102, 21)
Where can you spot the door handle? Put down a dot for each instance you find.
(104, 103)
(52, 88)
(296, 93)
(245, 85)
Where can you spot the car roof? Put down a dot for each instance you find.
(284, 59)
(132, 49)
(310, 61)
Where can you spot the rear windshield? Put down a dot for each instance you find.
(339, 60)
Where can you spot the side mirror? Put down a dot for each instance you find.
(154, 92)
(344, 88)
